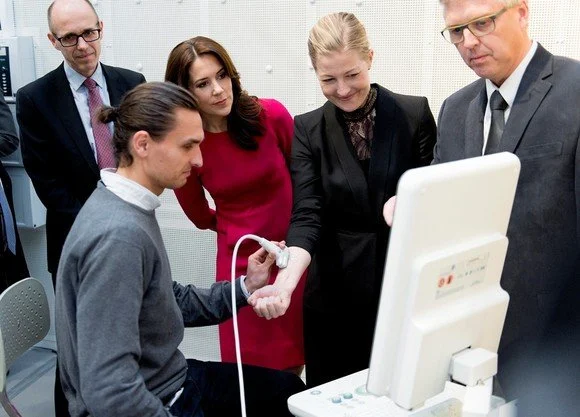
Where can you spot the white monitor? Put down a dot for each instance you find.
(441, 291)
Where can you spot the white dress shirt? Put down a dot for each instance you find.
(508, 91)
(130, 191)
(81, 96)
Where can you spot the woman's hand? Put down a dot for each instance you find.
(273, 300)
(389, 210)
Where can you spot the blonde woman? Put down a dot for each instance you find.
(347, 157)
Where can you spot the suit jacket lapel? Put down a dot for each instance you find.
(114, 86)
(532, 90)
(474, 124)
(66, 110)
(387, 128)
(337, 137)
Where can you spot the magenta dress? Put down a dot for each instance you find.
(252, 191)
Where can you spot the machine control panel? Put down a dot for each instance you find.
(5, 81)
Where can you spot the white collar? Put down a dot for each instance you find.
(509, 88)
(129, 190)
(76, 80)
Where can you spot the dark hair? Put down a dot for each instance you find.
(244, 121)
(150, 107)
(49, 13)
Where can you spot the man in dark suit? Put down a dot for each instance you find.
(59, 144)
(538, 121)
(12, 263)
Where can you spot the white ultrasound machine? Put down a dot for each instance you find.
(442, 308)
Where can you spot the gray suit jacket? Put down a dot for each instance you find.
(544, 230)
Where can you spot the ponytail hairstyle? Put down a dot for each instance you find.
(150, 107)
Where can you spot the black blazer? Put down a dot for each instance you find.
(56, 151)
(543, 130)
(337, 213)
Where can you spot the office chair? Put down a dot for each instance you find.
(24, 321)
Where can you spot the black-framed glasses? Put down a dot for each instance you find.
(71, 39)
(481, 26)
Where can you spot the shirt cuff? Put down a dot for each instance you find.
(243, 286)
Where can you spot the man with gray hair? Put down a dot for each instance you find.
(63, 145)
(526, 102)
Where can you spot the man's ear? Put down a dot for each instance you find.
(52, 40)
(141, 143)
(524, 13)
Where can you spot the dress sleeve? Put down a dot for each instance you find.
(282, 123)
(192, 200)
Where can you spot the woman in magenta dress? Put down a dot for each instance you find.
(246, 151)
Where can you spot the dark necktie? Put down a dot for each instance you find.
(497, 106)
(7, 226)
(101, 132)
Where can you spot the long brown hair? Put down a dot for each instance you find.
(244, 121)
(150, 107)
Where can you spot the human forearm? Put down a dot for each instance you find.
(207, 306)
(273, 300)
(289, 277)
(191, 198)
(302, 238)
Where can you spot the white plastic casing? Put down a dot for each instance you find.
(473, 365)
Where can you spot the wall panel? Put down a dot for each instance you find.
(267, 40)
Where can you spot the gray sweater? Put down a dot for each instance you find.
(119, 316)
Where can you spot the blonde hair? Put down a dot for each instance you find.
(337, 32)
(508, 3)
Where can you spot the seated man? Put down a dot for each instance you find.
(119, 316)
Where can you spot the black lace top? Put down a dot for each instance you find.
(360, 124)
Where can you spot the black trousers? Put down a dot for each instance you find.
(60, 402)
(336, 343)
(211, 390)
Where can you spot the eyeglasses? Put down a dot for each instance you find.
(89, 35)
(481, 26)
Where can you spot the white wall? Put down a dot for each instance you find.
(410, 57)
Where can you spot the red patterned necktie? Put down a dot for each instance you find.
(101, 132)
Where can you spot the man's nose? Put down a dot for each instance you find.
(469, 39)
(196, 159)
(81, 43)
